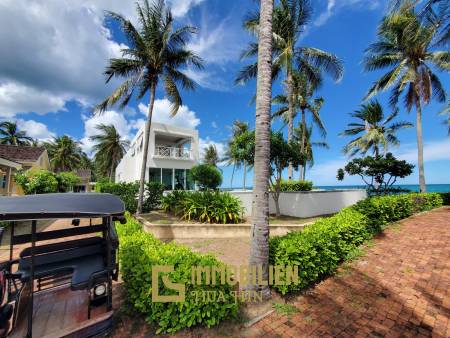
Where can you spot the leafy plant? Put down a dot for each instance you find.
(379, 173)
(66, 181)
(287, 186)
(206, 176)
(139, 252)
(153, 195)
(204, 206)
(127, 192)
(37, 181)
(445, 198)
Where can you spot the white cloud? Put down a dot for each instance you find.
(17, 98)
(109, 117)
(161, 113)
(432, 151)
(181, 7)
(333, 6)
(204, 143)
(36, 130)
(214, 124)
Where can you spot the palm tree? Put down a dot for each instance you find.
(156, 53)
(303, 102)
(405, 45)
(211, 156)
(303, 134)
(64, 152)
(290, 18)
(10, 134)
(259, 251)
(234, 155)
(375, 129)
(446, 111)
(109, 148)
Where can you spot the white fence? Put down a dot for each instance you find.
(308, 203)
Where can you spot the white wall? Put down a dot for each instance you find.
(307, 204)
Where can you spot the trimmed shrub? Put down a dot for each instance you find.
(206, 176)
(288, 186)
(128, 193)
(153, 195)
(445, 198)
(320, 247)
(204, 206)
(139, 252)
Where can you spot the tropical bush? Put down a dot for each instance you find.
(320, 247)
(288, 186)
(128, 192)
(66, 181)
(206, 176)
(445, 198)
(204, 206)
(140, 252)
(37, 181)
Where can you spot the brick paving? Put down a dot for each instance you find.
(399, 288)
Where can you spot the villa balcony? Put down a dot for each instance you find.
(172, 153)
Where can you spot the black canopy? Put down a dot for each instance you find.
(66, 205)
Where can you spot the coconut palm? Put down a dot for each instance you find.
(446, 111)
(405, 46)
(156, 55)
(109, 148)
(303, 102)
(64, 153)
(373, 130)
(259, 250)
(303, 134)
(10, 134)
(211, 156)
(234, 155)
(290, 18)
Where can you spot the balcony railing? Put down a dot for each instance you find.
(172, 152)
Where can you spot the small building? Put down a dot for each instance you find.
(15, 158)
(172, 152)
(85, 181)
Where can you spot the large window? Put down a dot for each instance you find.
(189, 181)
(167, 178)
(154, 175)
(179, 179)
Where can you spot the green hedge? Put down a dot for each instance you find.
(204, 206)
(288, 186)
(445, 198)
(320, 247)
(139, 251)
(128, 193)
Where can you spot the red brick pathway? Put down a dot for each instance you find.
(399, 288)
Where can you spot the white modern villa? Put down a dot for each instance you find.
(173, 151)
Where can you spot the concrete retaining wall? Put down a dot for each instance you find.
(308, 203)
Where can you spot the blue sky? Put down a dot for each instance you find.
(51, 76)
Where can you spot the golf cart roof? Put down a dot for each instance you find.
(65, 205)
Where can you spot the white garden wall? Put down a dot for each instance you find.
(307, 204)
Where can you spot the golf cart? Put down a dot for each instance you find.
(58, 283)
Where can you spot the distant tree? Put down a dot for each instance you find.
(407, 47)
(206, 176)
(211, 156)
(377, 132)
(379, 173)
(156, 53)
(10, 134)
(233, 155)
(64, 152)
(302, 134)
(109, 148)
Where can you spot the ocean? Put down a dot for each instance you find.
(412, 187)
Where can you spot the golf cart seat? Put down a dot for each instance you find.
(81, 258)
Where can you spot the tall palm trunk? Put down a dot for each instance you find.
(259, 252)
(302, 146)
(245, 174)
(290, 97)
(420, 146)
(111, 172)
(148, 124)
(232, 175)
